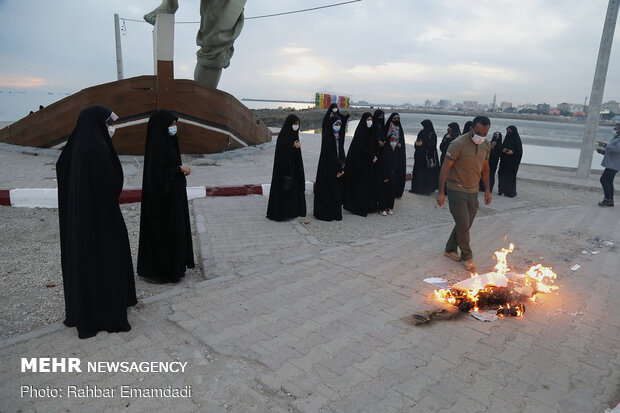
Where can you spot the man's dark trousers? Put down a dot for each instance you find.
(463, 207)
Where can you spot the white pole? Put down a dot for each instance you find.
(119, 52)
(598, 87)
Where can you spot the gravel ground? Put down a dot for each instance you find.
(31, 279)
(30, 276)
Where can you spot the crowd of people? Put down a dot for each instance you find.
(372, 173)
(96, 259)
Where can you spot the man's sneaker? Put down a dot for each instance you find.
(452, 255)
(606, 203)
(469, 265)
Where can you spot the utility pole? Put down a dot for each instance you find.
(119, 52)
(598, 87)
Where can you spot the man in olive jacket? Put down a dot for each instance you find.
(466, 162)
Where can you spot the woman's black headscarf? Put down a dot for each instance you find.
(97, 269)
(378, 122)
(455, 128)
(467, 127)
(447, 140)
(400, 172)
(287, 192)
(165, 249)
(328, 188)
(328, 119)
(358, 176)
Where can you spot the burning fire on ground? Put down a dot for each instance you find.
(494, 290)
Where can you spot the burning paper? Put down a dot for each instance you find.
(494, 290)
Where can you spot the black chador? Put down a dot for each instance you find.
(287, 192)
(454, 131)
(509, 161)
(327, 188)
(425, 175)
(165, 249)
(332, 111)
(378, 121)
(393, 126)
(388, 166)
(496, 150)
(360, 168)
(97, 270)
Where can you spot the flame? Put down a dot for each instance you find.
(502, 265)
(538, 277)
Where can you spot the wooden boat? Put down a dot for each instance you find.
(210, 120)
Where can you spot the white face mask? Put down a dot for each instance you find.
(335, 110)
(477, 139)
(295, 127)
(369, 123)
(111, 130)
(172, 130)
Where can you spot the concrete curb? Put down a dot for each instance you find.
(48, 197)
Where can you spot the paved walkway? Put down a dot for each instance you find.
(291, 323)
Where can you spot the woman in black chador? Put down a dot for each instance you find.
(332, 111)
(378, 122)
(287, 192)
(360, 173)
(390, 158)
(509, 160)
(327, 188)
(425, 175)
(394, 130)
(97, 271)
(165, 249)
(454, 131)
(496, 150)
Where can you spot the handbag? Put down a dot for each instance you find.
(287, 183)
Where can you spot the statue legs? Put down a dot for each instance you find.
(166, 6)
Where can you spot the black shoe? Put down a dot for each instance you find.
(606, 203)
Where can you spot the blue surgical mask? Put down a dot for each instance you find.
(172, 130)
(336, 128)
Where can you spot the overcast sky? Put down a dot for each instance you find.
(392, 51)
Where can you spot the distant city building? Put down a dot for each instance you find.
(444, 103)
(611, 106)
(564, 107)
(470, 104)
(543, 107)
(428, 103)
(505, 105)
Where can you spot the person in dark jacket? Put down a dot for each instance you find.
(327, 187)
(425, 174)
(97, 269)
(287, 197)
(165, 249)
(611, 163)
(361, 159)
(510, 159)
(496, 150)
